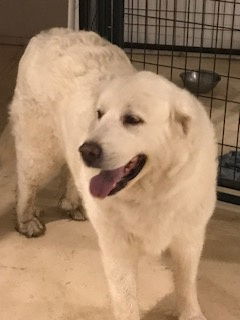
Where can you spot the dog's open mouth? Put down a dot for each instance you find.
(109, 182)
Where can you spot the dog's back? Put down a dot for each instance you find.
(58, 58)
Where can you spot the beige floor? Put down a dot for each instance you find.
(60, 277)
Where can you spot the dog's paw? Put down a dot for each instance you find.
(74, 210)
(77, 214)
(31, 228)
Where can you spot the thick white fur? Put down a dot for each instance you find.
(64, 77)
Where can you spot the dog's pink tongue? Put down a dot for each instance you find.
(102, 184)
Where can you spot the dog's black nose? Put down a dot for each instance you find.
(91, 153)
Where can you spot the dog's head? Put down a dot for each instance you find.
(140, 119)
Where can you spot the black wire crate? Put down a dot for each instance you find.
(185, 41)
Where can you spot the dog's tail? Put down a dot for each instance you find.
(7, 147)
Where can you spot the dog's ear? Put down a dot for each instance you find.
(183, 120)
(183, 114)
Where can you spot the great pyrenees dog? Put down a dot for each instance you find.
(141, 155)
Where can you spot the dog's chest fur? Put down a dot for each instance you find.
(151, 225)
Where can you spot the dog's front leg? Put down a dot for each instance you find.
(71, 201)
(120, 256)
(186, 251)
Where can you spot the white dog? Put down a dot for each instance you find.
(141, 154)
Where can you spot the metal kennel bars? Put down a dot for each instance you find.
(174, 36)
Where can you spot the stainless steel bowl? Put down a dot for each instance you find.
(200, 81)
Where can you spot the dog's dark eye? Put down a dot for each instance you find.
(99, 114)
(132, 120)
